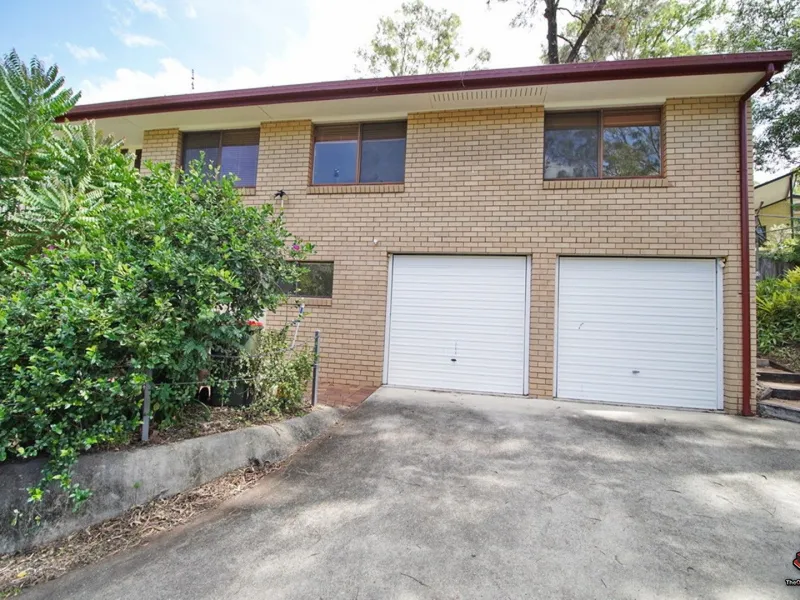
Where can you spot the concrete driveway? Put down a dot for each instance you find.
(433, 495)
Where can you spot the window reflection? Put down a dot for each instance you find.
(570, 153)
(631, 151)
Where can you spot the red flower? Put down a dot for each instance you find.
(255, 323)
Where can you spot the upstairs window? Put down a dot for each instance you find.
(234, 152)
(359, 153)
(603, 144)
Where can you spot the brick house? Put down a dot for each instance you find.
(571, 231)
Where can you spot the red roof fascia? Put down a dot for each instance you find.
(443, 82)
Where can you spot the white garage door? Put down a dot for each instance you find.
(458, 323)
(640, 331)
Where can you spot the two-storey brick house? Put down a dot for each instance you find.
(570, 231)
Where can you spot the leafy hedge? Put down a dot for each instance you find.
(279, 373)
(164, 273)
(778, 302)
(786, 249)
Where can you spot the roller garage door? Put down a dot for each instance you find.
(639, 331)
(458, 323)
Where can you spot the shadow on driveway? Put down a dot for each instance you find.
(434, 495)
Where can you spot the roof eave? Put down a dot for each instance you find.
(443, 82)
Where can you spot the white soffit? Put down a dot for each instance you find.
(132, 128)
(561, 96)
(646, 91)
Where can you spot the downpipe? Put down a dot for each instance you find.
(745, 225)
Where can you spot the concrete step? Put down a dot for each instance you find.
(771, 374)
(784, 391)
(786, 410)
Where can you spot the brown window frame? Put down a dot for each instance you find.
(221, 134)
(600, 114)
(293, 293)
(137, 157)
(359, 138)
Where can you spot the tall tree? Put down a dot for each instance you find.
(593, 30)
(586, 12)
(647, 29)
(772, 25)
(417, 39)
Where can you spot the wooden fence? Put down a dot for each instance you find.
(767, 267)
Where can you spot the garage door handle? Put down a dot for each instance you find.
(635, 372)
(452, 360)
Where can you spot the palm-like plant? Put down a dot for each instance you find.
(49, 172)
(32, 97)
(48, 215)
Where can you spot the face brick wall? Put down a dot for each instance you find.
(474, 184)
(161, 146)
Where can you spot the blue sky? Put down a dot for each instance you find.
(118, 49)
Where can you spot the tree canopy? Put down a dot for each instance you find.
(586, 12)
(772, 25)
(594, 30)
(631, 29)
(417, 39)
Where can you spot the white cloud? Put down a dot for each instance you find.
(323, 50)
(83, 54)
(151, 6)
(172, 77)
(189, 10)
(135, 40)
(122, 15)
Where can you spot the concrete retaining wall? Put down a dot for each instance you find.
(122, 479)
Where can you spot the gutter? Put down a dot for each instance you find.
(745, 225)
(752, 62)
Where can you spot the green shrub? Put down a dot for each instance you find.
(165, 273)
(279, 375)
(782, 249)
(109, 279)
(778, 303)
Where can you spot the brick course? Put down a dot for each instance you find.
(161, 146)
(474, 184)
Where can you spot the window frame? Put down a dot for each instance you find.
(600, 112)
(301, 263)
(137, 156)
(220, 134)
(359, 148)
